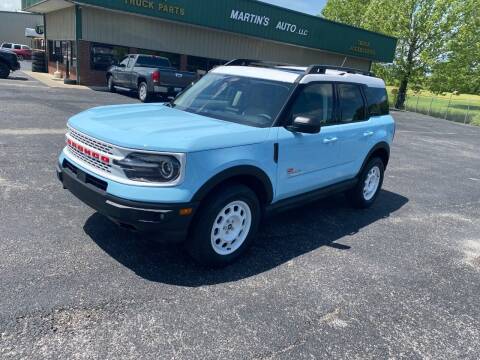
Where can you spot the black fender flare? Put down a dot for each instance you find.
(233, 172)
(379, 146)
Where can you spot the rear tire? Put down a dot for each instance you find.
(143, 93)
(225, 226)
(4, 71)
(364, 194)
(110, 84)
(20, 57)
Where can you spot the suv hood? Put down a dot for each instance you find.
(160, 128)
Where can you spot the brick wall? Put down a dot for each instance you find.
(88, 76)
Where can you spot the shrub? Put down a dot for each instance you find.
(475, 120)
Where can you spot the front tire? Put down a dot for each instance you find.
(225, 226)
(110, 84)
(364, 194)
(4, 71)
(143, 93)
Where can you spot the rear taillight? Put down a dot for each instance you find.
(156, 76)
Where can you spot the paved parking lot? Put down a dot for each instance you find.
(400, 280)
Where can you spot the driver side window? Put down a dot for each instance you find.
(315, 101)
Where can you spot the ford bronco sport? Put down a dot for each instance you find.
(246, 139)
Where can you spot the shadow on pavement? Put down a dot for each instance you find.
(18, 78)
(282, 238)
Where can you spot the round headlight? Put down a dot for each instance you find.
(167, 169)
(147, 167)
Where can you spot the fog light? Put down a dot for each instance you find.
(186, 212)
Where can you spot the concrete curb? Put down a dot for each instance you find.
(47, 80)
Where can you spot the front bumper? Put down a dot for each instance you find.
(16, 65)
(162, 219)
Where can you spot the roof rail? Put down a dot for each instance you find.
(257, 63)
(321, 69)
(312, 69)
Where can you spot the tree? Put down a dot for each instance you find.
(346, 11)
(459, 68)
(423, 29)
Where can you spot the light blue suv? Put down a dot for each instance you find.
(247, 139)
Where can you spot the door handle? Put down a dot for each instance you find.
(330, 140)
(368, 133)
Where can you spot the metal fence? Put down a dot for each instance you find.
(449, 108)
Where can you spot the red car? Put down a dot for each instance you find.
(22, 51)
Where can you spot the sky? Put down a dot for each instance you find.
(307, 6)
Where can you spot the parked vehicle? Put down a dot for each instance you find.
(8, 63)
(22, 51)
(148, 75)
(245, 140)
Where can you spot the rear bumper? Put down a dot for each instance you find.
(162, 219)
(167, 90)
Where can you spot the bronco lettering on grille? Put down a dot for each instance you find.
(91, 153)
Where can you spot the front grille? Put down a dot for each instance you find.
(90, 161)
(93, 143)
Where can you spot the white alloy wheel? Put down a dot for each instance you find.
(372, 181)
(231, 227)
(142, 91)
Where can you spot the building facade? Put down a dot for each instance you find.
(13, 25)
(195, 35)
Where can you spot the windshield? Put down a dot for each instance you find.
(152, 61)
(242, 100)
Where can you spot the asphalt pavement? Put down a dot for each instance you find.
(399, 281)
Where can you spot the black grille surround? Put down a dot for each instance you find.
(89, 179)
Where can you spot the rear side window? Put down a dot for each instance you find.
(352, 106)
(377, 100)
(152, 61)
(315, 102)
(8, 46)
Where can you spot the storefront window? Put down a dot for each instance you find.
(202, 65)
(55, 51)
(103, 56)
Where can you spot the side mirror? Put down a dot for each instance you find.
(304, 125)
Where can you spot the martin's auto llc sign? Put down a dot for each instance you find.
(262, 20)
(266, 21)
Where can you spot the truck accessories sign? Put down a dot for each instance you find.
(260, 20)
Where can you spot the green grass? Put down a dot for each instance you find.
(464, 108)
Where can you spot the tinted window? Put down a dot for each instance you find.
(17, 47)
(377, 100)
(315, 102)
(152, 61)
(352, 107)
(8, 46)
